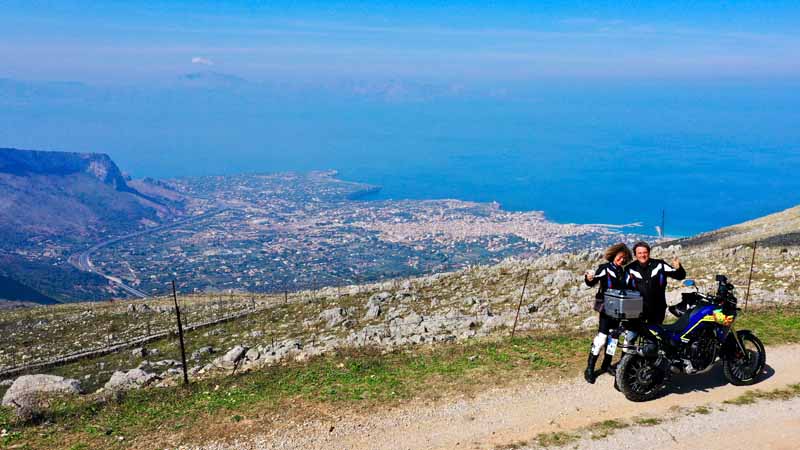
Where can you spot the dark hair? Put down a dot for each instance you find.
(612, 252)
(641, 244)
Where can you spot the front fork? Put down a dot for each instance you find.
(739, 343)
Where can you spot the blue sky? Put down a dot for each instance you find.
(470, 42)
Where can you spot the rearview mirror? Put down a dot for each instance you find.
(688, 283)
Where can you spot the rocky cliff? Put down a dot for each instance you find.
(25, 163)
(73, 195)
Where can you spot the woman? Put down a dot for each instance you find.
(610, 275)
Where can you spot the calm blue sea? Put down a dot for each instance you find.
(698, 185)
(707, 156)
(709, 153)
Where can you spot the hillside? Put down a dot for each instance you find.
(54, 203)
(56, 194)
(53, 277)
(11, 289)
(775, 230)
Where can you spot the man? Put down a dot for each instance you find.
(649, 277)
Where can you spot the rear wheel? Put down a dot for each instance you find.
(743, 368)
(639, 378)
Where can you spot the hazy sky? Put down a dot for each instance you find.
(130, 42)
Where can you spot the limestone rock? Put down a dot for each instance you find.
(380, 297)
(590, 322)
(29, 393)
(230, 359)
(560, 277)
(252, 354)
(198, 354)
(373, 312)
(132, 379)
(333, 316)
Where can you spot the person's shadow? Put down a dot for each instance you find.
(708, 380)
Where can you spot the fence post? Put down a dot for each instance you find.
(750, 277)
(180, 334)
(522, 295)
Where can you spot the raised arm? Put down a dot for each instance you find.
(592, 280)
(675, 270)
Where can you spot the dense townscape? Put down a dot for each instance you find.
(270, 233)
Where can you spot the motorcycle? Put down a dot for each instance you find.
(703, 332)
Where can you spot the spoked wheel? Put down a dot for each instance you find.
(742, 368)
(639, 378)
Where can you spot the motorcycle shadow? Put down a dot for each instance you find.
(706, 381)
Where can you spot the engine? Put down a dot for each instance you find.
(700, 352)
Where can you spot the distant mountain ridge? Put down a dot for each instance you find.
(26, 162)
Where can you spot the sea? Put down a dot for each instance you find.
(697, 155)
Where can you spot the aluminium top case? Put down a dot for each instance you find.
(627, 304)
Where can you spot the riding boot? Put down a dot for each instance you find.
(606, 366)
(589, 373)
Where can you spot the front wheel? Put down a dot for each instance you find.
(639, 378)
(743, 368)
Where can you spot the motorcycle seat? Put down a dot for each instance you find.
(679, 325)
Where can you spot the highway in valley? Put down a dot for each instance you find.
(82, 260)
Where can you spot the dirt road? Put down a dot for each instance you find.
(501, 417)
(773, 425)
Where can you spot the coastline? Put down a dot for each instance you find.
(373, 193)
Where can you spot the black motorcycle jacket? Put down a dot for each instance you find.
(609, 276)
(651, 281)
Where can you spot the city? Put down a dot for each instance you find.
(277, 232)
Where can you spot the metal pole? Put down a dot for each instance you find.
(180, 334)
(524, 285)
(750, 278)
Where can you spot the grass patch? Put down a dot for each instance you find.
(556, 439)
(750, 397)
(7, 435)
(778, 325)
(512, 446)
(647, 421)
(600, 430)
(701, 410)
